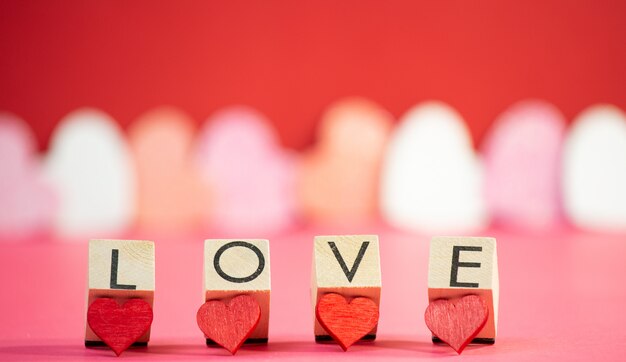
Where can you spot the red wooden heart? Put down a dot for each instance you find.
(457, 322)
(346, 322)
(119, 326)
(229, 325)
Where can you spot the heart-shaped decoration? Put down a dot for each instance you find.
(170, 193)
(91, 141)
(337, 182)
(229, 325)
(594, 169)
(346, 322)
(29, 202)
(429, 194)
(514, 199)
(119, 326)
(457, 322)
(236, 145)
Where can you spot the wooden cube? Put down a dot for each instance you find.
(121, 270)
(239, 266)
(348, 265)
(460, 266)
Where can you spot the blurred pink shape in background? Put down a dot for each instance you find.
(28, 204)
(522, 161)
(339, 178)
(251, 177)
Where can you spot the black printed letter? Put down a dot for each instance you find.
(115, 257)
(456, 250)
(349, 273)
(257, 272)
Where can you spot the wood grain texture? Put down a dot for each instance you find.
(348, 265)
(475, 272)
(457, 321)
(117, 325)
(243, 267)
(134, 269)
(346, 322)
(229, 325)
(135, 263)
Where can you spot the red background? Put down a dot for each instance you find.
(291, 59)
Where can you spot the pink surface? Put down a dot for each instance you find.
(562, 298)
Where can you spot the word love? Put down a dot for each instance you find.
(345, 291)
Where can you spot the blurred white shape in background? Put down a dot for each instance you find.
(431, 177)
(594, 169)
(90, 166)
